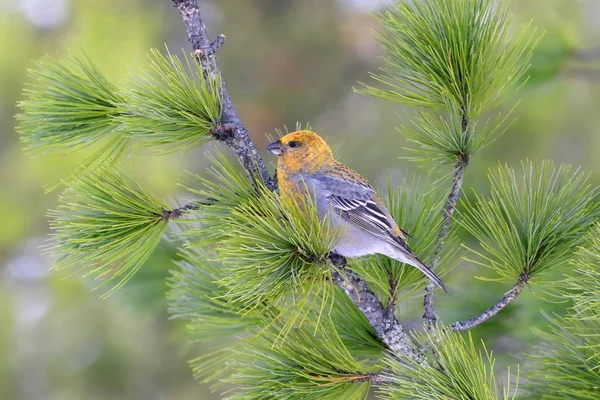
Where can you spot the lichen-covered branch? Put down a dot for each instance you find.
(176, 213)
(236, 136)
(490, 312)
(385, 324)
(231, 132)
(457, 180)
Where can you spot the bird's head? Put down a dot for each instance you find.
(301, 150)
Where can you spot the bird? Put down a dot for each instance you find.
(306, 166)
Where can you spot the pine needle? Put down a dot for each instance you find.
(534, 219)
(168, 109)
(312, 363)
(68, 106)
(107, 224)
(459, 371)
(456, 59)
(211, 317)
(567, 363)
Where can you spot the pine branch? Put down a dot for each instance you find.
(457, 180)
(237, 138)
(234, 135)
(385, 324)
(490, 312)
(455, 59)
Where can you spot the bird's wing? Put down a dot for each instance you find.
(358, 204)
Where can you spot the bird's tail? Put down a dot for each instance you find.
(413, 260)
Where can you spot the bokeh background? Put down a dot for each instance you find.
(284, 61)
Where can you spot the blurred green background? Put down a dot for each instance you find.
(284, 61)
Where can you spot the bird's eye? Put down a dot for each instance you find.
(293, 144)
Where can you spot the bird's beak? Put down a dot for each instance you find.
(276, 148)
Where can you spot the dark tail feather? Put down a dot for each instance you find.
(429, 273)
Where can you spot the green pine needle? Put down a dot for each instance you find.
(266, 252)
(533, 220)
(458, 51)
(460, 371)
(70, 105)
(312, 363)
(584, 286)
(225, 187)
(455, 58)
(210, 316)
(416, 206)
(273, 250)
(567, 364)
(169, 109)
(270, 248)
(107, 224)
(441, 139)
(195, 296)
(215, 318)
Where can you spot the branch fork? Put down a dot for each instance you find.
(223, 132)
(212, 49)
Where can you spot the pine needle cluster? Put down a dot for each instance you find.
(104, 213)
(101, 217)
(171, 105)
(211, 318)
(459, 370)
(168, 109)
(283, 318)
(271, 249)
(567, 363)
(533, 219)
(456, 59)
(312, 363)
(68, 105)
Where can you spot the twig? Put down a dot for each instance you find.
(457, 180)
(233, 134)
(238, 140)
(329, 381)
(490, 312)
(176, 213)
